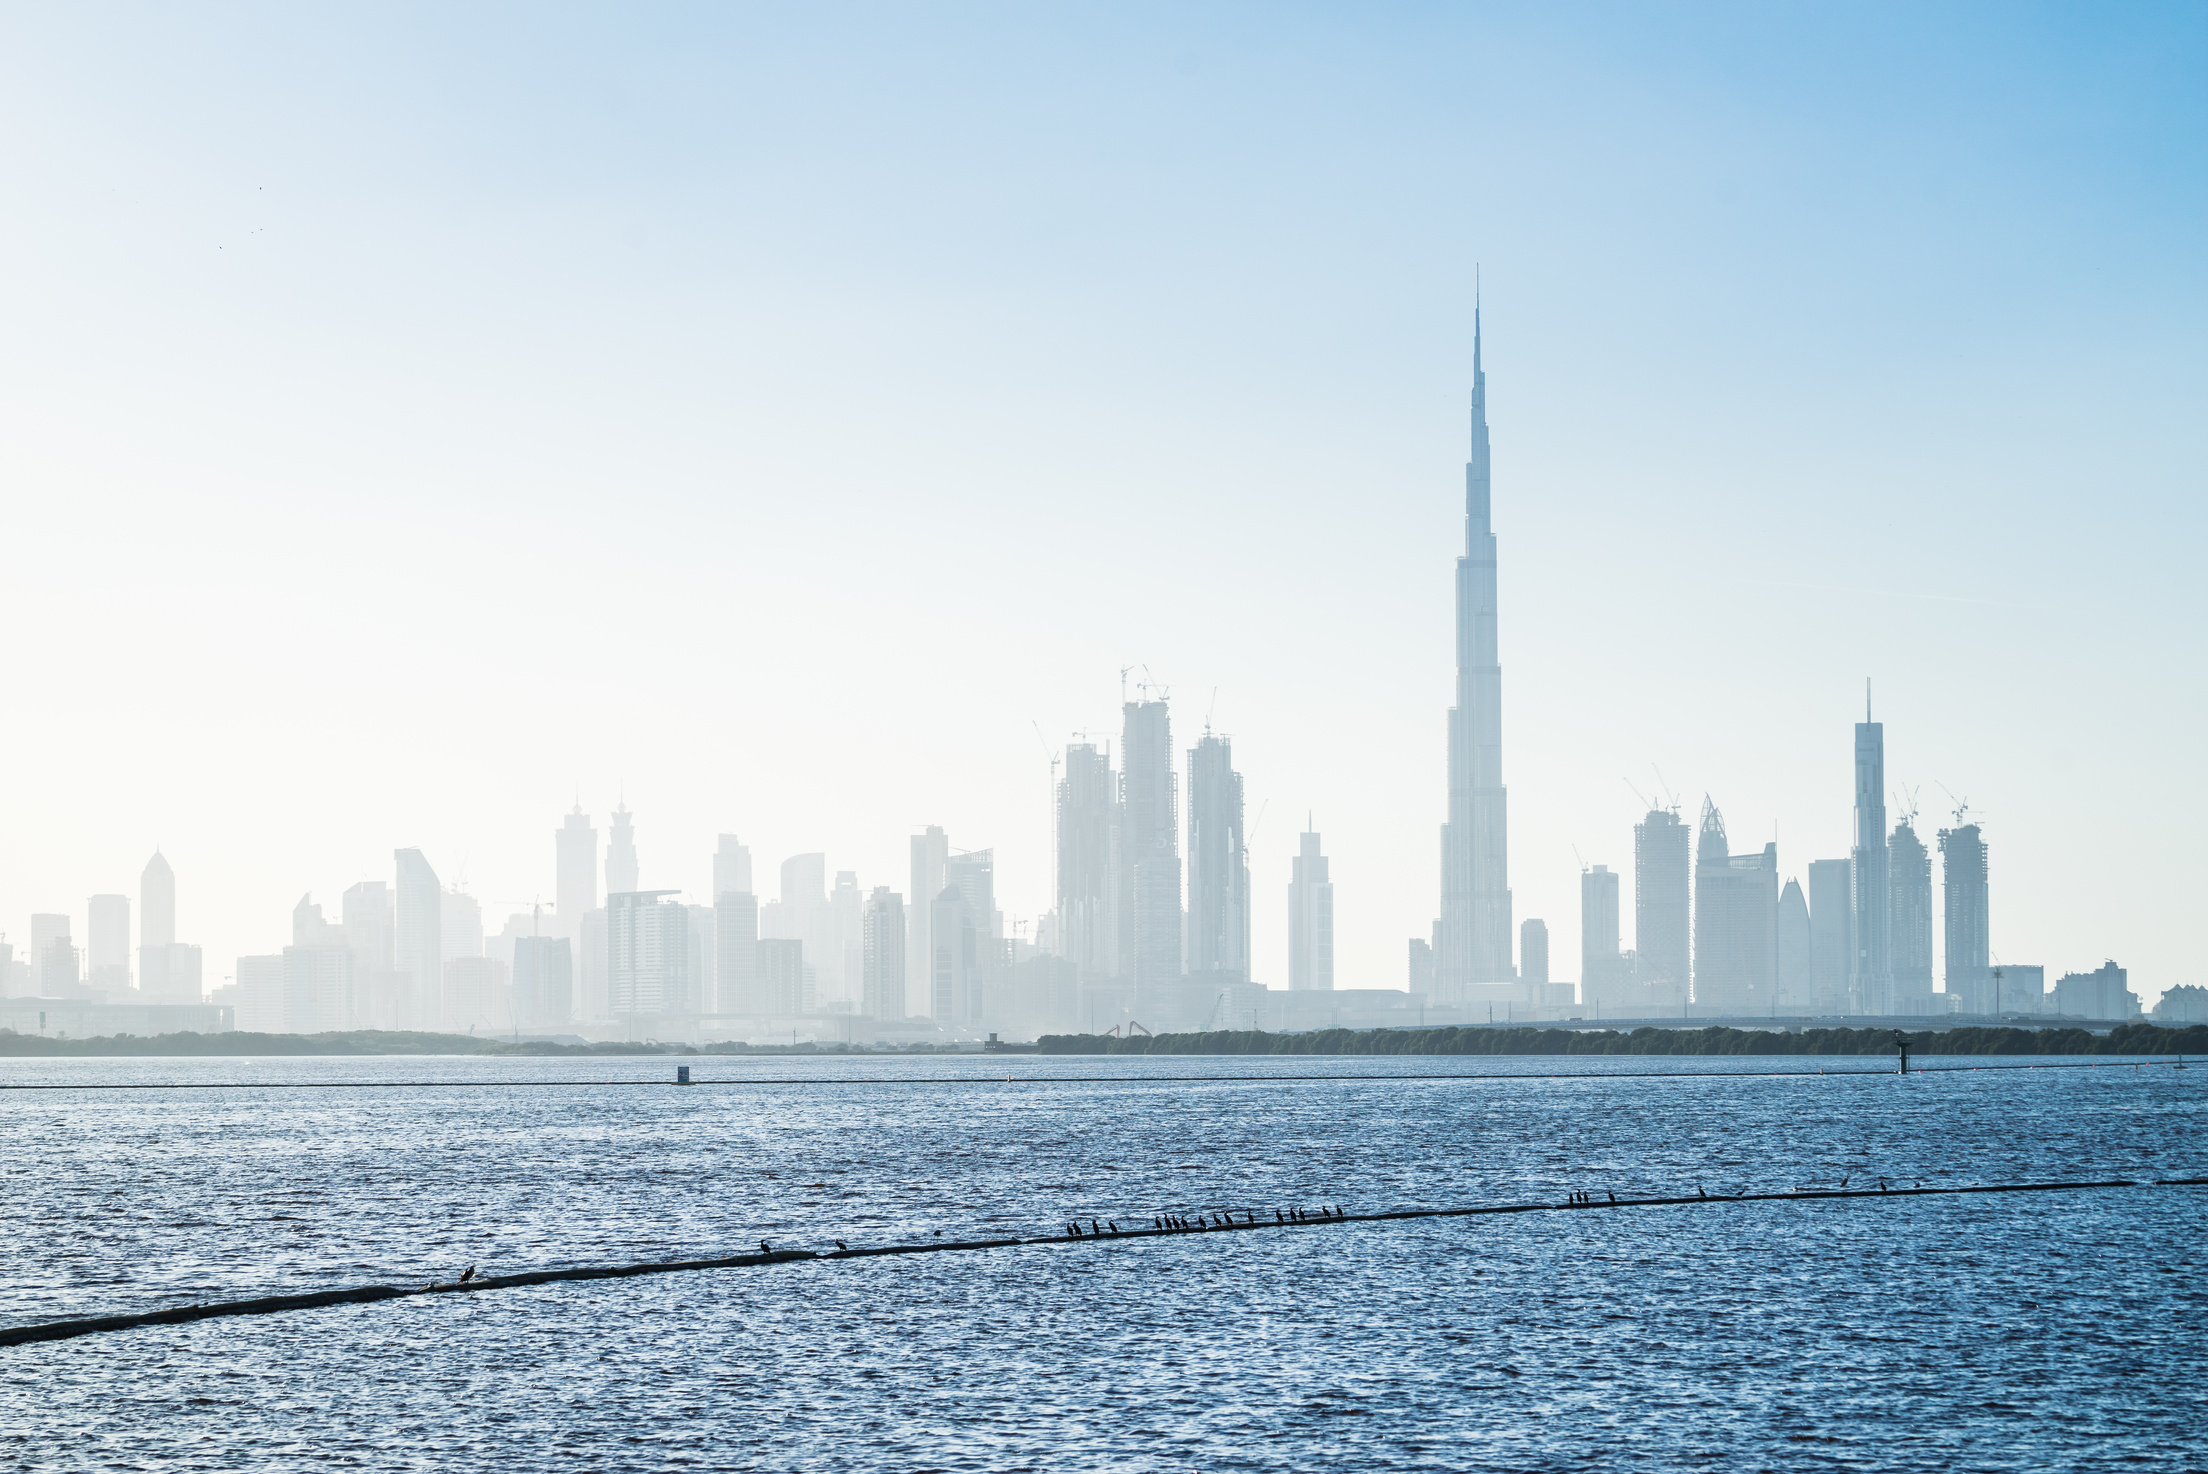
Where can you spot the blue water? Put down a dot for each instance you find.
(2003, 1332)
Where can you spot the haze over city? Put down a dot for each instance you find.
(419, 426)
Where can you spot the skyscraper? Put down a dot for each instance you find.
(1151, 858)
(1736, 900)
(1218, 936)
(736, 953)
(418, 938)
(156, 903)
(1602, 979)
(882, 967)
(1663, 878)
(1473, 934)
(107, 945)
(732, 867)
(1871, 965)
(167, 971)
(1533, 955)
(1792, 989)
(1968, 964)
(931, 851)
(1088, 827)
(576, 852)
(1829, 930)
(647, 955)
(962, 933)
(544, 982)
(621, 871)
(1310, 919)
(1909, 919)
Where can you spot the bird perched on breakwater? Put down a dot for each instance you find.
(1613, 1197)
(841, 1245)
(467, 1274)
(1698, 1191)
(765, 1247)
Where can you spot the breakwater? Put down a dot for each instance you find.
(1099, 1231)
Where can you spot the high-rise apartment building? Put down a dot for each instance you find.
(1088, 836)
(931, 852)
(418, 940)
(1663, 879)
(1217, 942)
(55, 960)
(477, 996)
(575, 846)
(780, 990)
(1533, 955)
(882, 964)
(1151, 885)
(1909, 919)
(460, 923)
(107, 945)
(1473, 934)
(1968, 937)
(1830, 927)
(963, 931)
(1736, 899)
(736, 953)
(840, 957)
(1603, 982)
(621, 868)
(544, 982)
(647, 956)
(1870, 936)
(1310, 918)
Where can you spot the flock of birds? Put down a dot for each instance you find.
(1171, 1223)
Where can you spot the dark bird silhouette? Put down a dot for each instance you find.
(1613, 1197)
(1843, 1184)
(467, 1274)
(1108, 1223)
(1699, 1192)
(765, 1247)
(841, 1245)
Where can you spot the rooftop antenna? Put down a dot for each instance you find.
(1866, 701)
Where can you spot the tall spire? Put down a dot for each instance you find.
(1472, 936)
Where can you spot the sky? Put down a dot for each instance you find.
(417, 419)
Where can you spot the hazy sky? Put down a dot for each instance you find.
(413, 416)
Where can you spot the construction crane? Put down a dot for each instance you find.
(1962, 807)
(1905, 803)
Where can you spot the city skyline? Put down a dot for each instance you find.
(614, 522)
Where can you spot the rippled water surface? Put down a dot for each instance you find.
(2001, 1332)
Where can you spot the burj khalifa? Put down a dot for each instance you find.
(1472, 936)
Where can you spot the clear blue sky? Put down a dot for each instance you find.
(409, 414)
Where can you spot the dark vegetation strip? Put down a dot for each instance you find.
(2136, 1038)
(63, 1330)
(2139, 1038)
